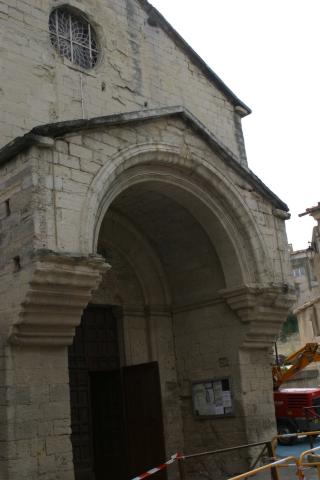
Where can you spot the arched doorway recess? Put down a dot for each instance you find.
(173, 243)
(205, 191)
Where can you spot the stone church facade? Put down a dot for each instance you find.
(140, 256)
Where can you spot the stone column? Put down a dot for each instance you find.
(262, 310)
(36, 426)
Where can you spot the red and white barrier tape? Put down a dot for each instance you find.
(147, 474)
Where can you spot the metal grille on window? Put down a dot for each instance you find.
(73, 37)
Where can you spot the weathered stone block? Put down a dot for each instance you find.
(58, 444)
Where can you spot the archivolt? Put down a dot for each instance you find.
(196, 183)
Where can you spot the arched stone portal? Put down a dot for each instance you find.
(196, 292)
(172, 252)
(194, 182)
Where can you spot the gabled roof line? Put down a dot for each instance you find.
(157, 19)
(59, 129)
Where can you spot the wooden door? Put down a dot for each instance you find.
(143, 415)
(116, 417)
(108, 426)
(95, 348)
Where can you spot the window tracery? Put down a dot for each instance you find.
(73, 37)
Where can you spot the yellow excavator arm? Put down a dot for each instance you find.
(295, 363)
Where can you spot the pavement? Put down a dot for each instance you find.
(295, 450)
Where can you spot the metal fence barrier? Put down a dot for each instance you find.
(270, 466)
(312, 459)
(268, 448)
(310, 436)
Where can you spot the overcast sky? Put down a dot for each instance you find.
(268, 53)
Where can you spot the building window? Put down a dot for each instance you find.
(73, 37)
(299, 272)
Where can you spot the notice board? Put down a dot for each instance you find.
(212, 398)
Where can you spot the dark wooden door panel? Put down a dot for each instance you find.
(95, 348)
(108, 426)
(144, 425)
(116, 417)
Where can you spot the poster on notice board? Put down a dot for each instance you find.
(212, 398)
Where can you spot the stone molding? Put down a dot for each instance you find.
(131, 310)
(59, 289)
(262, 308)
(311, 303)
(203, 182)
(217, 300)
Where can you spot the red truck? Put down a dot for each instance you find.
(297, 409)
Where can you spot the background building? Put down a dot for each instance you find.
(302, 325)
(307, 309)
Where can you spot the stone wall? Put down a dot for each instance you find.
(201, 337)
(222, 322)
(36, 434)
(197, 243)
(68, 173)
(140, 67)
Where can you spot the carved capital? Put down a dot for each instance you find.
(262, 309)
(60, 288)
